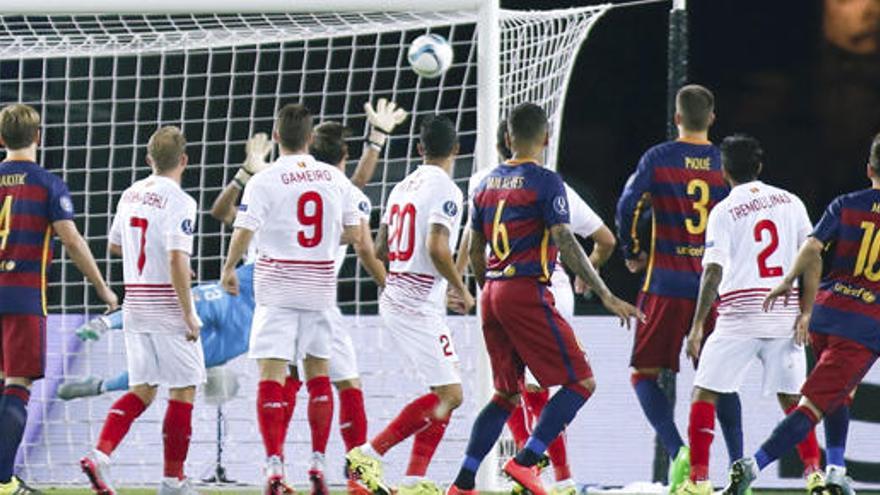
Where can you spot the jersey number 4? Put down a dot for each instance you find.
(5, 221)
(401, 218)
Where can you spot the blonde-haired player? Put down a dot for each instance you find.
(153, 232)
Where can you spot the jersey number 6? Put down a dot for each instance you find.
(500, 238)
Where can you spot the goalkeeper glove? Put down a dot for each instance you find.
(383, 119)
(257, 148)
(94, 328)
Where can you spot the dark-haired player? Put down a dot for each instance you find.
(33, 204)
(843, 317)
(298, 211)
(521, 210)
(752, 238)
(681, 182)
(417, 237)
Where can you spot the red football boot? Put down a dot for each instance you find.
(526, 476)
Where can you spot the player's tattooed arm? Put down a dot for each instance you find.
(709, 283)
(366, 252)
(574, 257)
(477, 253)
(461, 300)
(382, 243)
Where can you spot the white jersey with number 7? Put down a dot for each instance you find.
(754, 234)
(425, 197)
(299, 208)
(153, 218)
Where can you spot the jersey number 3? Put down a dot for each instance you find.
(699, 189)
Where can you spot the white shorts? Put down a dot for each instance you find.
(288, 333)
(427, 343)
(343, 361)
(164, 359)
(725, 360)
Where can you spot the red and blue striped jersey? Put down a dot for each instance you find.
(680, 181)
(847, 303)
(30, 200)
(514, 207)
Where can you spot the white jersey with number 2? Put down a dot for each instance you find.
(425, 197)
(153, 218)
(754, 235)
(298, 208)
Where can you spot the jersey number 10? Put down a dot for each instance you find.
(866, 261)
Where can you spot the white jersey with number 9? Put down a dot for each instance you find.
(154, 217)
(298, 207)
(426, 197)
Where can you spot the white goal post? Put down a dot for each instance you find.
(104, 77)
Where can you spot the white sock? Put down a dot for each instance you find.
(318, 461)
(412, 480)
(102, 457)
(171, 481)
(368, 449)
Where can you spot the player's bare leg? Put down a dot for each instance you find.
(176, 433)
(271, 416)
(14, 396)
(320, 413)
(808, 449)
(123, 413)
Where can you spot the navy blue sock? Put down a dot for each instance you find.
(786, 436)
(836, 428)
(13, 416)
(485, 432)
(729, 411)
(658, 411)
(557, 414)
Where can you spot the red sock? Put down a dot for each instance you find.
(352, 418)
(320, 411)
(535, 402)
(176, 432)
(271, 413)
(291, 388)
(424, 445)
(517, 424)
(808, 449)
(559, 458)
(122, 414)
(415, 416)
(701, 431)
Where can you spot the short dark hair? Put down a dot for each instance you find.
(527, 123)
(19, 125)
(329, 145)
(501, 143)
(165, 148)
(874, 158)
(294, 126)
(695, 104)
(438, 136)
(741, 157)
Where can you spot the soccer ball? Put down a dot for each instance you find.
(430, 55)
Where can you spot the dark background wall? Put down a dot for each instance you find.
(814, 103)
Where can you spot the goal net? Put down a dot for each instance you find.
(104, 83)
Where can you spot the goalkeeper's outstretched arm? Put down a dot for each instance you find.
(383, 118)
(258, 148)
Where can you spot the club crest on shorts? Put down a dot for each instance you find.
(450, 208)
(560, 204)
(187, 227)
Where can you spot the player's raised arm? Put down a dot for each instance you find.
(257, 150)
(634, 199)
(383, 118)
(252, 213)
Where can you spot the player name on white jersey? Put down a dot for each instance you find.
(425, 197)
(298, 209)
(153, 217)
(755, 234)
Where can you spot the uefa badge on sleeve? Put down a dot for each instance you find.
(450, 208)
(66, 204)
(364, 207)
(560, 204)
(187, 227)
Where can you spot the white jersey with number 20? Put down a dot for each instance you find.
(298, 208)
(754, 235)
(425, 197)
(153, 218)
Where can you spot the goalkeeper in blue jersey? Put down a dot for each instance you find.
(226, 329)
